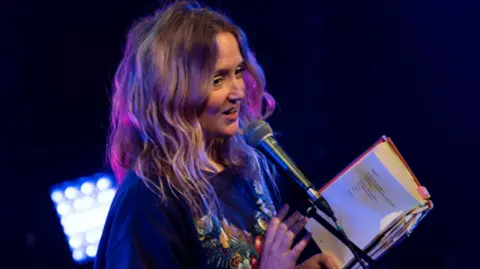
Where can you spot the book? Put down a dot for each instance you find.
(375, 200)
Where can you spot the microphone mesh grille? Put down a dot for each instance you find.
(255, 131)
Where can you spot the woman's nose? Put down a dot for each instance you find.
(237, 92)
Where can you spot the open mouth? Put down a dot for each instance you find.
(230, 111)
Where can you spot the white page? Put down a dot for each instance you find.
(365, 199)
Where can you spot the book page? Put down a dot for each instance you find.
(396, 234)
(396, 167)
(365, 199)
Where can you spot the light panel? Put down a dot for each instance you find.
(82, 206)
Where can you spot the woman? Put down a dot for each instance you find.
(194, 194)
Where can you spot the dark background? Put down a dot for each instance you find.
(343, 72)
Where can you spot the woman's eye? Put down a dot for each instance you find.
(217, 81)
(239, 70)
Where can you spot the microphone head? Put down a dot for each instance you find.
(256, 131)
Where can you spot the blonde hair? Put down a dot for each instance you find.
(159, 88)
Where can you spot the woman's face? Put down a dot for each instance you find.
(219, 117)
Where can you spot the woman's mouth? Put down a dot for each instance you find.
(231, 114)
(230, 111)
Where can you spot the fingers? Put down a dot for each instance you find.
(271, 232)
(300, 246)
(282, 232)
(273, 225)
(293, 219)
(292, 233)
(280, 235)
(287, 241)
(282, 213)
(299, 225)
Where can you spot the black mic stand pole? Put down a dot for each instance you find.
(273, 151)
(340, 234)
(315, 201)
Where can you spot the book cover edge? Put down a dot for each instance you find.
(402, 159)
(382, 139)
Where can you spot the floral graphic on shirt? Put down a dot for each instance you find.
(245, 265)
(229, 247)
(264, 202)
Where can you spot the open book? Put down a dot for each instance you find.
(375, 200)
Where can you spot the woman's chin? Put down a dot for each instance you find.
(229, 133)
(230, 130)
(224, 130)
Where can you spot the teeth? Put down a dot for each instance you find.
(230, 111)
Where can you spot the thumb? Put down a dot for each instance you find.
(317, 258)
(328, 260)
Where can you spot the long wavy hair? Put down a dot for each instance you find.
(160, 87)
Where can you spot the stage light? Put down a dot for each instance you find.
(82, 206)
(87, 188)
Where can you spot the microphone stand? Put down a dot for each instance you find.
(269, 146)
(316, 201)
(340, 234)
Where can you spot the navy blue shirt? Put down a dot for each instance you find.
(142, 232)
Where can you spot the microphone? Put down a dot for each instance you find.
(259, 135)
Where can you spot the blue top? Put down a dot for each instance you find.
(142, 232)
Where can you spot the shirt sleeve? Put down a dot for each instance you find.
(146, 233)
(154, 242)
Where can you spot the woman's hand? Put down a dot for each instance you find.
(330, 261)
(321, 261)
(277, 252)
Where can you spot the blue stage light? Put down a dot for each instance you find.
(82, 206)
